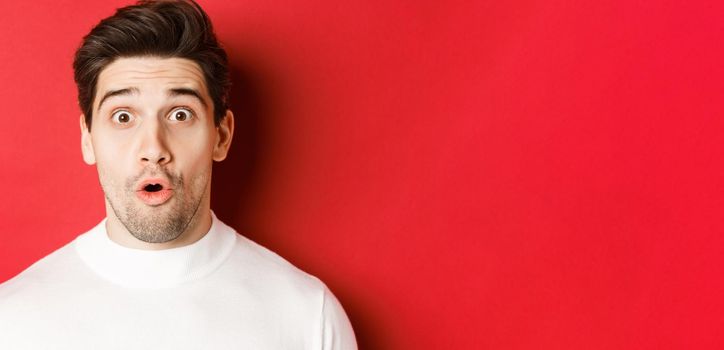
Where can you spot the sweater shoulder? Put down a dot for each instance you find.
(292, 294)
(43, 276)
(271, 265)
(262, 272)
(46, 267)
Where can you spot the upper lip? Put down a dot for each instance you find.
(153, 181)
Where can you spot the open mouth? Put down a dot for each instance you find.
(154, 191)
(153, 187)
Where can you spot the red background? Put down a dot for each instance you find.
(487, 174)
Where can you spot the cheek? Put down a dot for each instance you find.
(193, 155)
(196, 169)
(111, 166)
(108, 178)
(111, 148)
(113, 161)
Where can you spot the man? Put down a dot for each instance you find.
(161, 271)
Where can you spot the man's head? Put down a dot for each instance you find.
(152, 85)
(153, 28)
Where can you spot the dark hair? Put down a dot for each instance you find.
(158, 29)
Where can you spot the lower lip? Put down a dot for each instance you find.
(154, 198)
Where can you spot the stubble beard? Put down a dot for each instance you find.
(158, 224)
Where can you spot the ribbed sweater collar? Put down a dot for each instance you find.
(136, 268)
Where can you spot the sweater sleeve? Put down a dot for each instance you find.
(337, 333)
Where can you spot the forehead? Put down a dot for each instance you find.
(150, 75)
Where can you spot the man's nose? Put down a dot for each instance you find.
(153, 143)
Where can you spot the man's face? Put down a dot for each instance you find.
(153, 139)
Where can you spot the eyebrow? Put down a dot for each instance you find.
(171, 93)
(119, 92)
(187, 92)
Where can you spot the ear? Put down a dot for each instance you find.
(224, 134)
(86, 143)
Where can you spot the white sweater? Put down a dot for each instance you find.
(221, 292)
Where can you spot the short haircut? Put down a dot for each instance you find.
(164, 29)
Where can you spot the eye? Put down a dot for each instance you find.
(181, 115)
(122, 117)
